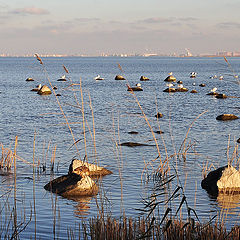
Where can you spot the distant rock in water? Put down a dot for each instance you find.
(29, 79)
(143, 78)
(225, 180)
(202, 85)
(159, 132)
(226, 117)
(194, 91)
(44, 90)
(238, 141)
(119, 77)
(134, 144)
(159, 115)
(221, 95)
(170, 90)
(132, 132)
(170, 78)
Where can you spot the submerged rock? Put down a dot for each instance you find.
(29, 79)
(94, 170)
(225, 180)
(132, 132)
(194, 91)
(226, 117)
(119, 77)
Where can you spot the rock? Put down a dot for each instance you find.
(58, 95)
(159, 115)
(170, 78)
(225, 117)
(134, 144)
(142, 78)
(136, 88)
(210, 182)
(119, 77)
(170, 90)
(238, 141)
(159, 132)
(94, 170)
(44, 90)
(212, 93)
(221, 95)
(72, 185)
(180, 82)
(202, 85)
(222, 180)
(181, 89)
(29, 79)
(132, 132)
(194, 91)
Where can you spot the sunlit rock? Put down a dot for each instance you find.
(194, 91)
(119, 77)
(226, 117)
(29, 79)
(76, 183)
(159, 115)
(143, 78)
(94, 170)
(225, 180)
(170, 78)
(221, 95)
(44, 90)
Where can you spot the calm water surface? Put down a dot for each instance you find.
(25, 114)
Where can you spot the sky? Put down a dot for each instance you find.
(93, 27)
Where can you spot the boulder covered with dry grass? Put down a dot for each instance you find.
(94, 170)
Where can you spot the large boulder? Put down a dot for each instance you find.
(72, 185)
(143, 78)
(94, 170)
(225, 117)
(44, 90)
(224, 179)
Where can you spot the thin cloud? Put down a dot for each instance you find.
(229, 25)
(30, 11)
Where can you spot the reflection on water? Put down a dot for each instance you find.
(228, 201)
(82, 206)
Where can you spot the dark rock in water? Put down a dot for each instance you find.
(159, 115)
(135, 89)
(29, 80)
(159, 132)
(132, 132)
(170, 79)
(194, 91)
(226, 117)
(238, 141)
(119, 77)
(170, 90)
(58, 95)
(134, 144)
(202, 85)
(55, 88)
(179, 82)
(212, 93)
(142, 78)
(210, 182)
(221, 95)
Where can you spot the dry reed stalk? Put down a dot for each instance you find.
(53, 158)
(15, 189)
(58, 102)
(34, 196)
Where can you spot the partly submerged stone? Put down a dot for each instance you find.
(159, 115)
(170, 78)
(94, 170)
(119, 77)
(29, 79)
(44, 90)
(170, 90)
(226, 117)
(183, 89)
(72, 185)
(143, 78)
(134, 144)
(194, 91)
(224, 179)
(221, 95)
(238, 141)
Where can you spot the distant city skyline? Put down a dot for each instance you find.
(97, 27)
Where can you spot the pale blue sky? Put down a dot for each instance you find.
(127, 26)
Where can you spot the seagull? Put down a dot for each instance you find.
(214, 90)
(39, 86)
(170, 74)
(169, 85)
(194, 84)
(138, 84)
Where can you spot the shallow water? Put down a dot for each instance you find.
(25, 114)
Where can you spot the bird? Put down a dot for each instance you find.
(169, 85)
(138, 85)
(39, 86)
(214, 90)
(194, 84)
(170, 74)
